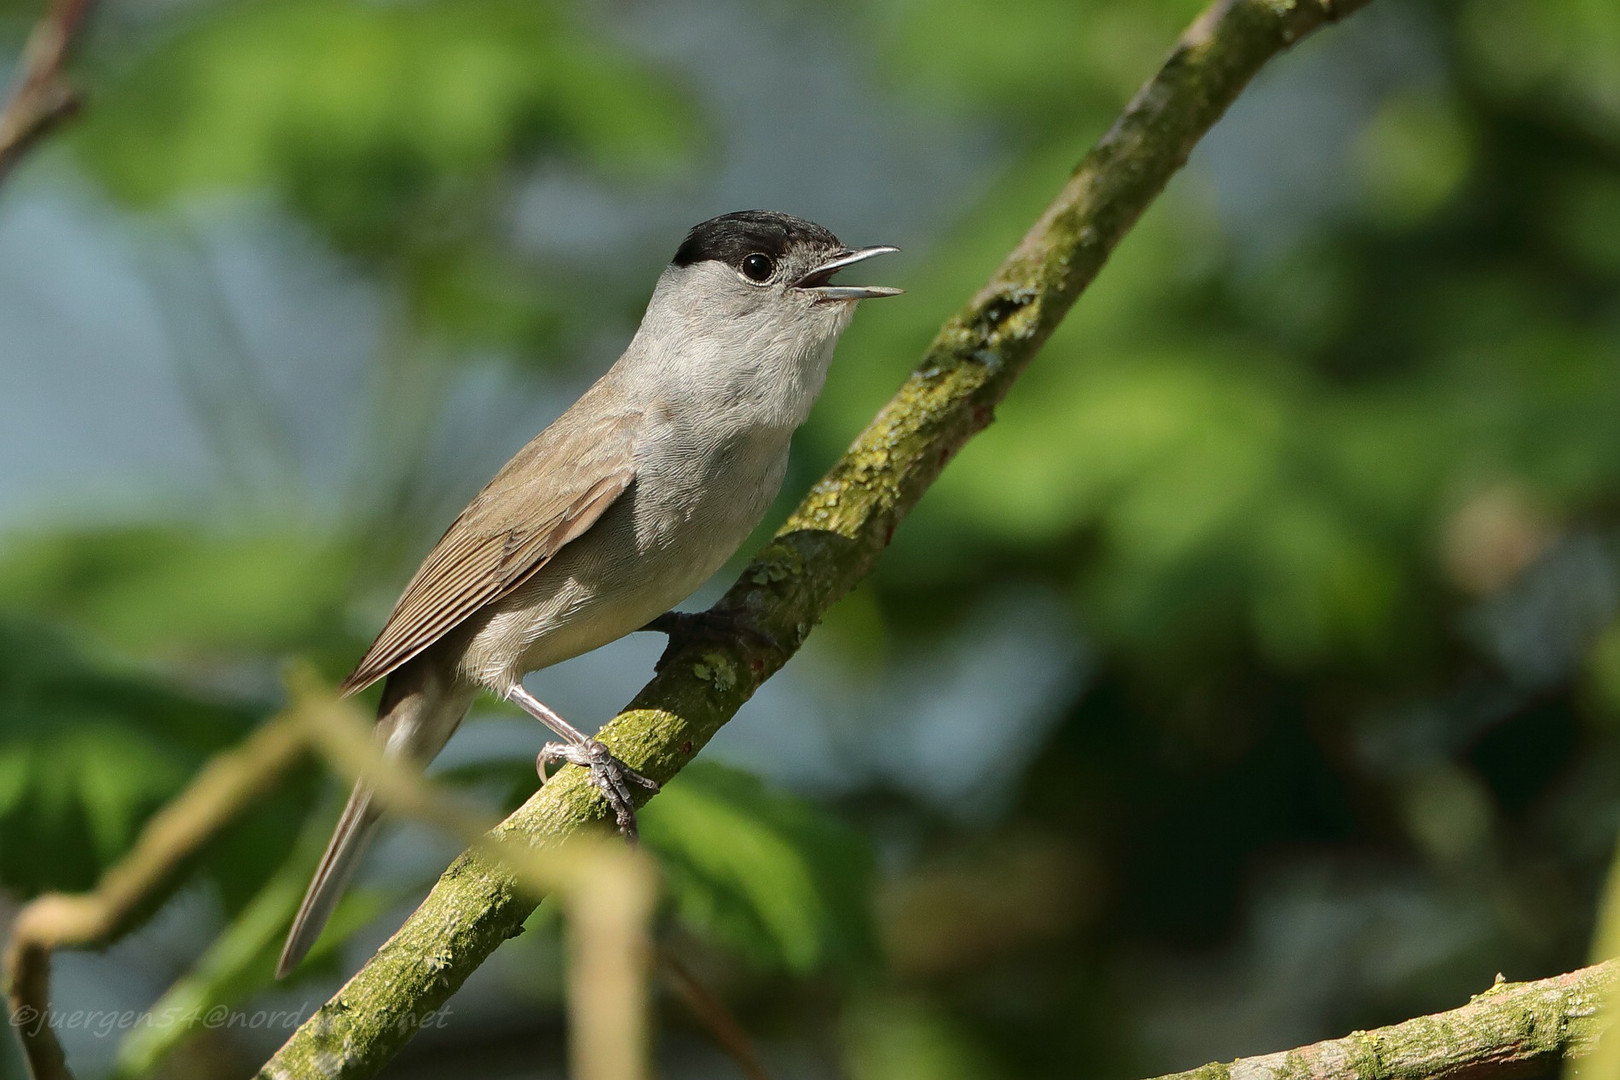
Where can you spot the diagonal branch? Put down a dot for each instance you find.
(711, 1013)
(233, 783)
(837, 534)
(41, 97)
(1512, 1029)
(609, 889)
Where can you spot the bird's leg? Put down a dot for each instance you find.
(716, 624)
(608, 773)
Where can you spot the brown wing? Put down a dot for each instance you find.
(508, 532)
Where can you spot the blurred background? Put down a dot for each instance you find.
(1254, 678)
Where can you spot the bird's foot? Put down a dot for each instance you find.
(610, 775)
(714, 625)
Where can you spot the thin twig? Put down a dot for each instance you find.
(711, 1012)
(41, 96)
(1512, 1029)
(232, 784)
(837, 534)
(609, 916)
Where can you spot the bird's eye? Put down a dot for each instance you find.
(757, 267)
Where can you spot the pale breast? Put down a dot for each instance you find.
(695, 499)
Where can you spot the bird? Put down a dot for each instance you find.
(612, 515)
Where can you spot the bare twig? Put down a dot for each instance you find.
(836, 535)
(1512, 1029)
(609, 962)
(712, 1013)
(40, 95)
(232, 784)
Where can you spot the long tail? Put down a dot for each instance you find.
(343, 853)
(418, 713)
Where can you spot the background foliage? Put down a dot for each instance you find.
(1254, 678)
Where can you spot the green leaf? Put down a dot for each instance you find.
(780, 881)
(911, 1038)
(177, 589)
(381, 122)
(88, 754)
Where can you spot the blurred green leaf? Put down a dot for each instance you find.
(1585, 216)
(1565, 53)
(86, 756)
(178, 588)
(901, 1038)
(1414, 155)
(376, 120)
(1035, 59)
(775, 878)
(401, 130)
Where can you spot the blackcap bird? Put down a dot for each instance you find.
(613, 514)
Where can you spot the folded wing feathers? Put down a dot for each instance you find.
(485, 554)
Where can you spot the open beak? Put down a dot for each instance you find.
(816, 281)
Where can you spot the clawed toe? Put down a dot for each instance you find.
(608, 773)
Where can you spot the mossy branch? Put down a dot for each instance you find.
(1512, 1029)
(836, 535)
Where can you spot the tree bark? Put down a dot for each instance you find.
(1512, 1029)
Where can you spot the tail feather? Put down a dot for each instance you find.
(421, 707)
(348, 843)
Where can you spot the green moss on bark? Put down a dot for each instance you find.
(1509, 1030)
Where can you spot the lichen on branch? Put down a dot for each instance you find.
(1512, 1029)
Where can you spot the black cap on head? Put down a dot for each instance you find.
(731, 237)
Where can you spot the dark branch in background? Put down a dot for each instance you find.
(231, 785)
(1512, 1029)
(711, 1013)
(835, 536)
(40, 95)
